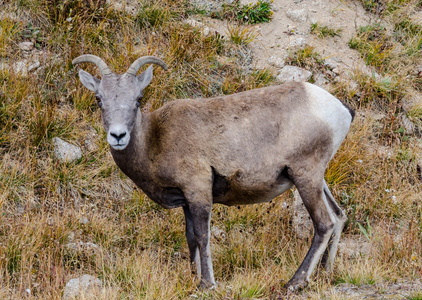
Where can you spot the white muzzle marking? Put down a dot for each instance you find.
(118, 137)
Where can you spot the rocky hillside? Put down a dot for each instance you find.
(72, 225)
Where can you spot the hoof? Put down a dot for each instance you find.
(295, 285)
(206, 285)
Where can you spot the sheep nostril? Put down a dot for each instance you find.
(118, 137)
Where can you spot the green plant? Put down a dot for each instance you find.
(10, 30)
(415, 296)
(379, 89)
(154, 16)
(374, 6)
(259, 12)
(306, 57)
(409, 34)
(262, 77)
(416, 112)
(374, 45)
(241, 35)
(64, 11)
(31, 32)
(367, 230)
(324, 31)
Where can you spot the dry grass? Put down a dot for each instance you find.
(142, 251)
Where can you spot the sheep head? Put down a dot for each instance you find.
(118, 95)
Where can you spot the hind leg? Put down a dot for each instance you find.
(310, 184)
(331, 251)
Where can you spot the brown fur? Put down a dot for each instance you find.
(185, 133)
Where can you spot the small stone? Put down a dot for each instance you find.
(206, 31)
(66, 152)
(298, 15)
(218, 233)
(26, 46)
(84, 286)
(277, 61)
(331, 63)
(352, 248)
(83, 220)
(298, 43)
(418, 70)
(34, 65)
(320, 80)
(336, 71)
(409, 127)
(193, 23)
(210, 5)
(89, 247)
(90, 145)
(292, 73)
(71, 237)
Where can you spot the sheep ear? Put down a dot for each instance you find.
(89, 81)
(145, 77)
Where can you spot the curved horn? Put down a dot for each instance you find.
(104, 69)
(137, 64)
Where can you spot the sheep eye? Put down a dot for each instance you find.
(98, 100)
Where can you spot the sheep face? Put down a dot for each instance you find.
(119, 98)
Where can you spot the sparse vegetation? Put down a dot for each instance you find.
(374, 45)
(252, 13)
(142, 252)
(260, 12)
(241, 35)
(324, 31)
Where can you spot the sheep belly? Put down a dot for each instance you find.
(233, 192)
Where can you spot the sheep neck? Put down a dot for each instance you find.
(132, 160)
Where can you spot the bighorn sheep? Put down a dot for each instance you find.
(243, 148)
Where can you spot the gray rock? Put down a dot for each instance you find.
(130, 7)
(85, 286)
(353, 248)
(277, 61)
(298, 15)
(66, 152)
(26, 46)
(23, 67)
(292, 73)
(210, 5)
(418, 70)
(204, 29)
(336, 71)
(88, 247)
(320, 80)
(218, 233)
(90, 145)
(302, 223)
(298, 43)
(34, 65)
(409, 127)
(331, 63)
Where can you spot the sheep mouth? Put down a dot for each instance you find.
(118, 146)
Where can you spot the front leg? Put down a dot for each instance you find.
(192, 243)
(200, 213)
